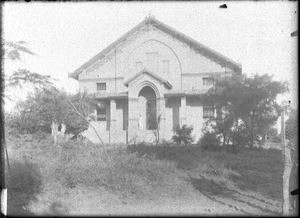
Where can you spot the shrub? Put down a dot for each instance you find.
(209, 141)
(182, 135)
(240, 138)
(24, 182)
(24, 124)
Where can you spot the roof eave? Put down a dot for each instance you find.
(227, 62)
(101, 54)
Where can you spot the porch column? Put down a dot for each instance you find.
(113, 115)
(162, 114)
(183, 111)
(133, 119)
(113, 126)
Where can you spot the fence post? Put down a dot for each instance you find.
(287, 168)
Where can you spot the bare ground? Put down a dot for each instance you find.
(83, 201)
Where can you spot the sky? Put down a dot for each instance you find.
(65, 35)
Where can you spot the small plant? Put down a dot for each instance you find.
(209, 141)
(182, 136)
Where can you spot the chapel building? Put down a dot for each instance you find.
(151, 79)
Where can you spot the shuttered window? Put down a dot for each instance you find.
(101, 86)
(101, 111)
(208, 110)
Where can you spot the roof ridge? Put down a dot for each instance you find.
(165, 28)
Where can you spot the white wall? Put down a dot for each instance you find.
(122, 62)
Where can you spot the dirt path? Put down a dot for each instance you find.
(81, 201)
(248, 203)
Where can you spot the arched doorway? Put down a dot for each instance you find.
(147, 108)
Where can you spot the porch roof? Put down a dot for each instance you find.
(180, 93)
(111, 95)
(173, 93)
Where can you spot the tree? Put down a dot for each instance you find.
(51, 107)
(244, 103)
(260, 109)
(23, 76)
(13, 50)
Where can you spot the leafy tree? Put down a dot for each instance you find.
(80, 107)
(260, 109)
(244, 103)
(51, 107)
(13, 50)
(23, 76)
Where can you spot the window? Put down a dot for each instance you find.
(208, 81)
(208, 110)
(101, 86)
(165, 66)
(101, 111)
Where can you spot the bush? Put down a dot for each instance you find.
(182, 135)
(240, 138)
(24, 181)
(210, 142)
(24, 124)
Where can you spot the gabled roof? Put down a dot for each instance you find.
(197, 46)
(145, 71)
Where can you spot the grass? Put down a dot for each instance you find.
(128, 175)
(256, 169)
(138, 172)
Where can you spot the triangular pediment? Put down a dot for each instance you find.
(198, 47)
(150, 74)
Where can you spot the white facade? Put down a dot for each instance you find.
(169, 63)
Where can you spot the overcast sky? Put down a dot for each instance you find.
(65, 35)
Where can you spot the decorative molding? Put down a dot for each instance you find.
(133, 99)
(202, 74)
(98, 79)
(149, 73)
(168, 30)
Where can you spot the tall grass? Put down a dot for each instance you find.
(251, 169)
(128, 175)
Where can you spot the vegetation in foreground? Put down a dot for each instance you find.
(138, 172)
